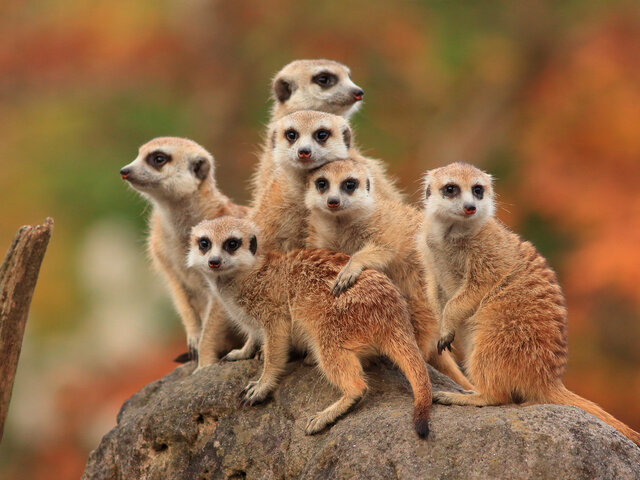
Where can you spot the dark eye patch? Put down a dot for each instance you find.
(291, 135)
(204, 244)
(322, 184)
(450, 190)
(325, 79)
(232, 244)
(349, 185)
(321, 135)
(158, 159)
(478, 191)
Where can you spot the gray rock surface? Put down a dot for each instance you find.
(186, 426)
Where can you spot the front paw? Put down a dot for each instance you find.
(253, 393)
(346, 278)
(316, 423)
(235, 355)
(192, 343)
(445, 342)
(441, 398)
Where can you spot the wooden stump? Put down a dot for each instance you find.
(18, 276)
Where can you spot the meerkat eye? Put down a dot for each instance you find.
(291, 135)
(350, 185)
(158, 159)
(204, 244)
(478, 191)
(231, 244)
(325, 79)
(321, 135)
(322, 184)
(450, 190)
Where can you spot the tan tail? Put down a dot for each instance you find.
(563, 396)
(406, 355)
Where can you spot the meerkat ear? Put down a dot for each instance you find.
(428, 191)
(272, 140)
(253, 244)
(282, 89)
(201, 167)
(346, 136)
(368, 184)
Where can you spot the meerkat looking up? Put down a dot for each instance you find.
(176, 176)
(288, 295)
(486, 280)
(347, 215)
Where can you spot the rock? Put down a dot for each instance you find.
(186, 426)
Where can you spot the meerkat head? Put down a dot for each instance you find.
(322, 85)
(169, 168)
(307, 139)
(224, 246)
(340, 188)
(458, 193)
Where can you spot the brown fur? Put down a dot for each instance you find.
(379, 234)
(181, 200)
(500, 293)
(288, 295)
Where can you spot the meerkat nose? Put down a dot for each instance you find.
(214, 262)
(333, 202)
(124, 173)
(358, 94)
(469, 209)
(304, 153)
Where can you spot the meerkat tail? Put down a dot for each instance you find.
(564, 396)
(405, 354)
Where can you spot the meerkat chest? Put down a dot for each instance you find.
(238, 310)
(448, 267)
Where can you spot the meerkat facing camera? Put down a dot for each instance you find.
(288, 295)
(319, 85)
(485, 279)
(176, 176)
(347, 215)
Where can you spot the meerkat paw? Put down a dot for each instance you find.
(316, 423)
(259, 355)
(445, 342)
(254, 393)
(235, 355)
(345, 280)
(442, 398)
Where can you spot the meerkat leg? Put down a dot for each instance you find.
(247, 351)
(446, 364)
(343, 369)
(216, 336)
(370, 256)
(276, 354)
(190, 318)
(458, 309)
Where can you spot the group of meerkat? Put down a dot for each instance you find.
(331, 261)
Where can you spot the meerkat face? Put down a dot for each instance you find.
(223, 246)
(459, 192)
(169, 168)
(340, 188)
(322, 85)
(307, 139)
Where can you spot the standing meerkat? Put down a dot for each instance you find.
(176, 176)
(319, 85)
(347, 215)
(288, 295)
(487, 283)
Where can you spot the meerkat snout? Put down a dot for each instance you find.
(469, 209)
(358, 94)
(215, 262)
(304, 153)
(124, 173)
(333, 202)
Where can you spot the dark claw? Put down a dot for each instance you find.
(445, 343)
(183, 358)
(223, 360)
(193, 353)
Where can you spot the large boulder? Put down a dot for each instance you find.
(190, 426)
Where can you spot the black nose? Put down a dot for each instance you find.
(304, 153)
(358, 94)
(333, 202)
(214, 262)
(124, 173)
(469, 208)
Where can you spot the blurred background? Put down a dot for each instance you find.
(544, 95)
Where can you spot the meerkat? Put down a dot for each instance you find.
(288, 295)
(319, 85)
(485, 279)
(347, 215)
(177, 176)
